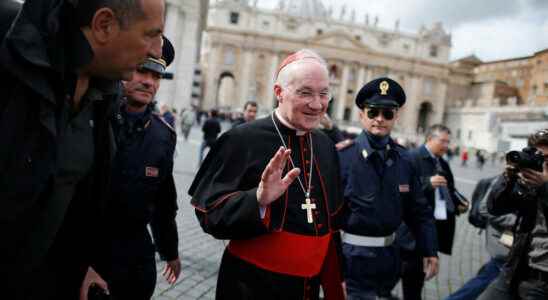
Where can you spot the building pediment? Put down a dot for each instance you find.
(338, 39)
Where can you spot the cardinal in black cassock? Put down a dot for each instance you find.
(288, 248)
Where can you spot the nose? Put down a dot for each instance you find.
(156, 47)
(316, 103)
(149, 80)
(379, 118)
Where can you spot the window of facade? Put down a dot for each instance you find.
(319, 31)
(427, 86)
(229, 57)
(433, 51)
(234, 17)
(469, 134)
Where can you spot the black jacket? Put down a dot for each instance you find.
(503, 200)
(426, 167)
(35, 71)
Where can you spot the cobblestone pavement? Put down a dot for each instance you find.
(201, 253)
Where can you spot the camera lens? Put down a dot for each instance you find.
(513, 157)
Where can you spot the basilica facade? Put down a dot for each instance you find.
(243, 45)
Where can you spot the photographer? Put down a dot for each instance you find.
(522, 190)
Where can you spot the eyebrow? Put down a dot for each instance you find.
(311, 89)
(155, 31)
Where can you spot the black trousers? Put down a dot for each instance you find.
(244, 281)
(130, 280)
(412, 275)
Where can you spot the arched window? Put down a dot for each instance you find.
(425, 111)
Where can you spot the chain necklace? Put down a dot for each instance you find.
(308, 206)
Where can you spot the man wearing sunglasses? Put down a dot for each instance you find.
(382, 191)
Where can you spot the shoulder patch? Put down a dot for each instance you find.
(165, 123)
(344, 144)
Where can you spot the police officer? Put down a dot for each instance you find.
(143, 192)
(382, 190)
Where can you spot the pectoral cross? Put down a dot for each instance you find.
(309, 207)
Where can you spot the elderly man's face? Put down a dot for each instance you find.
(132, 45)
(141, 89)
(305, 100)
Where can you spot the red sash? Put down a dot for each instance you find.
(284, 252)
(296, 255)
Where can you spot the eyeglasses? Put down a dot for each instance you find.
(308, 95)
(387, 113)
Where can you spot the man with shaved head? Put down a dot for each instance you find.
(60, 66)
(271, 187)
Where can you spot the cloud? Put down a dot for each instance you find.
(499, 39)
(491, 29)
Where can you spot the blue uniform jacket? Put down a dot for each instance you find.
(143, 189)
(380, 195)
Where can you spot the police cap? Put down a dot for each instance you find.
(159, 65)
(381, 92)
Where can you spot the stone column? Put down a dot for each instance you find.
(243, 82)
(167, 88)
(359, 84)
(411, 117)
(341, 97)
(270, 100)
(441, 94)
(211, 78)
(186, 62)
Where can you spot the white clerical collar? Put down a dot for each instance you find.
(287, 124)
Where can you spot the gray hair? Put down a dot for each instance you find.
(435, 130)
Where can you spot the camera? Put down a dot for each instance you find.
(528, 158)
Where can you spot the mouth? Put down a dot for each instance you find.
(311, 114)
(148, 93)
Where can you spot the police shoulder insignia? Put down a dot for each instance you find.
(404, 188)
(344, 144)
(151, 172)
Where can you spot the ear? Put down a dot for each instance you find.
(397, 115)
(104, 25)
(278, 92)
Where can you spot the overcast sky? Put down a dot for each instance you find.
(490, 29)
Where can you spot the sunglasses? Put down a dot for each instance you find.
(373, 112)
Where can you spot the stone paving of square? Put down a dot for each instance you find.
(201, 254)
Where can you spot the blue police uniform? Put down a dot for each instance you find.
(382, 190)
(142, 193)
